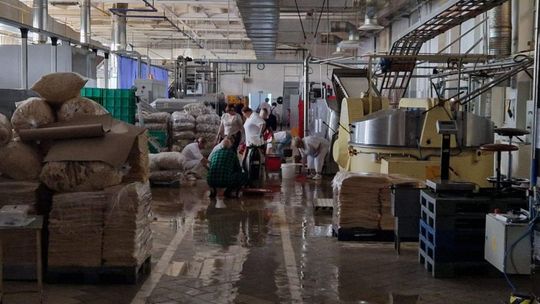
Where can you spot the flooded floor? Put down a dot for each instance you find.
(270, 249)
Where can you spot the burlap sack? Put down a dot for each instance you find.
(57, 88)
(79, 176)
(167, 161)
(5, 130)
(20, 161)
(32, 113)
(79, 106)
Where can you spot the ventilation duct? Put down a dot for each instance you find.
(500, 29)
(119, 40)
(40, 12)
(85, 21)
(371, 24)
(261, 21)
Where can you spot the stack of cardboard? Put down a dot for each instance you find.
(19, 247)
(76, 228)
(101, 228)
(362, 200)
(127, 238)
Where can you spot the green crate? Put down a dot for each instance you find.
(95, 94)
(160, 137)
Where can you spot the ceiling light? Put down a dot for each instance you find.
(370, 20)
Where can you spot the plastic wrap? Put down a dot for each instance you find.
(209, 119)
(182, 121)
(5, 130)
(196, 109)
(20, 161)
(31, 113)
(156, 126)
(157, 117)
(79, 106)
(57, 88)
(79, 176)
(166, 176)
(187, 135)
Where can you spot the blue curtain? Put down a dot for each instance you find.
(127, 71)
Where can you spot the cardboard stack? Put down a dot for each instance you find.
(101, 228)
(362, 200)
(127, 238)
(19, 247)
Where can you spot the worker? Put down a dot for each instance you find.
(194, 162)
(225, 172)
(231, 125)
(281, 141)
(269, 119)
(265, 105)
(254, 127)
(313, 149)
(220, 146)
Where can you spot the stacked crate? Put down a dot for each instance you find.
(452, 230)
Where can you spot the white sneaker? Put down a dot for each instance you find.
(317, 177)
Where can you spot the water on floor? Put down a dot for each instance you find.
(270, 249)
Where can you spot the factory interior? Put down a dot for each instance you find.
(269, 151)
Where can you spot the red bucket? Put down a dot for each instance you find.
(273, 163)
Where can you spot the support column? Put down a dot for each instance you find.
(106, 70)
(24, 58)
(85, 22)
(54, 54)
(305, 95)
(40, 15)
(139, 67)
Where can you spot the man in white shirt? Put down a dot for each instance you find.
(253, 128)
(194, 161)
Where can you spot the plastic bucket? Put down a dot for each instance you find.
(288, 171)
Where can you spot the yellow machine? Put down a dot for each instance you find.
(405, 141)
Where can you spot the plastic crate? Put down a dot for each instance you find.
(121, 103)
(159, 137)
(95, 94)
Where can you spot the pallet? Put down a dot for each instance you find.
(171, 184)
(452, 238)
(363, 235)
(324, 205)
(98, 275)
(445, 254)
(451, 269)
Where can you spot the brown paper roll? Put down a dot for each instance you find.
(67, 132)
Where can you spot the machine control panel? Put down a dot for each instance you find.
(447, 127)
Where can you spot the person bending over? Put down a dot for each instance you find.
(313, 150)
(225, 171)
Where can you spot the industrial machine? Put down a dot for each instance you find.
(406, 141)
(149, 90)
(503, 247)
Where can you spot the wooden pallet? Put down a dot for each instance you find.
(98, 275)
(363, 235)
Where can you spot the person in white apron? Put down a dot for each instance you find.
(313, 150)
(231, 125)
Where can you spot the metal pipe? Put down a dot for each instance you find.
(85, 31)
(40, 11)
(54, 54)
(106, 70)
(500, 29)
(24, 58)
(536, 83)
(139, 67)
(119, 38)
(305, 94)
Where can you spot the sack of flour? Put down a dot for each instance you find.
(32, 113)
(57, 88)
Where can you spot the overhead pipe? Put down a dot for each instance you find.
(106, 69)
(305, 93)
(24, 58)
(500, 30)
(119, 36)
(40, 14)
(54, 54)
(85, 18)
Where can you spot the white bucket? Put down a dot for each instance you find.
(288, 171)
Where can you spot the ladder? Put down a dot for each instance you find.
(399, 71)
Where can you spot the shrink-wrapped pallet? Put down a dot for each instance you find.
(127, 238)
(182, 121)
(76, 226)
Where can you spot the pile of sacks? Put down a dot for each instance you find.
(166, 167)
(60, 101)
(207, 128)
(183, 130)
(156, 121)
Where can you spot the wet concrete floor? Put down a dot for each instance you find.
(270, 249)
